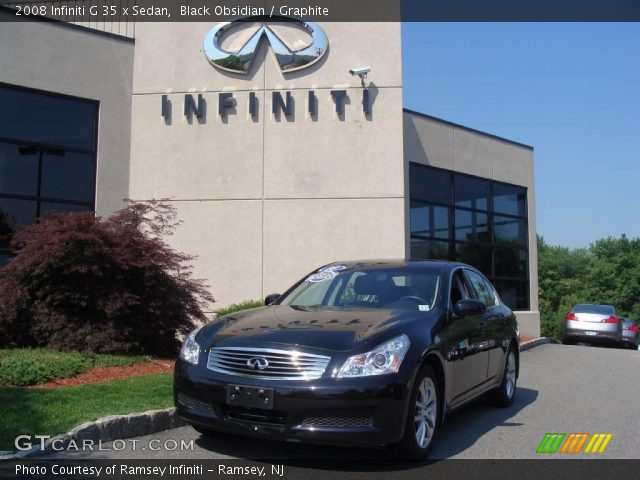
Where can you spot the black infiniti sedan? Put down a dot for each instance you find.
(368, 353)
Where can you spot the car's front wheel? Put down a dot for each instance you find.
(422, 416)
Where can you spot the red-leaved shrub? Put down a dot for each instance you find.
(79, 282)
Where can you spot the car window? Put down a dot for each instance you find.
(492, 291)
(345, 287)
(599, 309)
(480, 288)
(458, 288)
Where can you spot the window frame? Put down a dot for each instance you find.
(494, 246)
(43, 147)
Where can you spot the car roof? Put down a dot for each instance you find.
(399, 263)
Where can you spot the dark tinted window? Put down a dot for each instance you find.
(67, 175)
(429, 220)
(18, 169)
(471, 192)
(472, 226)
(509, 199)
(433, 249)
(600, 309)
(511, 262)
(476, 221)
(474, 254)
(430, 185)
(47, 158)
(34, 117)
(509, 231)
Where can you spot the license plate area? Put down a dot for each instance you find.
(591, 333)
(250, 397)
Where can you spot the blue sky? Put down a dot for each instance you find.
(572, 91)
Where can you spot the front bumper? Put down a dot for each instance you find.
(367, 411)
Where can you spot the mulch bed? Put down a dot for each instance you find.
(107, 374)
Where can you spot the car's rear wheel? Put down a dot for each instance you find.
(503, 396)
(422, 416)
(567, 341)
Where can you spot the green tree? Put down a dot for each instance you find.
(608, 272)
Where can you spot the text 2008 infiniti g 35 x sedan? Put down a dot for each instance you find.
(356, 353)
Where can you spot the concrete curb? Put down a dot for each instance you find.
(535, 342)
(105, 429)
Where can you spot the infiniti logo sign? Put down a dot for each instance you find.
(288, 59)
(258, 363)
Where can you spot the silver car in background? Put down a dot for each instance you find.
(592, 323)
(629, 334)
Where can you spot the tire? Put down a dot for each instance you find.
(503, 395)
(567, 341)
(423, 413)
(207, 432)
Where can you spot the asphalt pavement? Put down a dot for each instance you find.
(561, 388)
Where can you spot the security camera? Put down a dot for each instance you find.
(360, 71)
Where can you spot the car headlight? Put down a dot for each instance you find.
(385, 358)
(190, 350)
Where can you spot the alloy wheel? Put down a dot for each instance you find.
(425, 412)
(510, 372)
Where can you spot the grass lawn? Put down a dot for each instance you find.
(31, 411)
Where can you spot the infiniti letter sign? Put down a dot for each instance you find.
(289, 60)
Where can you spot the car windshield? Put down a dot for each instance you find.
(341, 286)
(600, 309)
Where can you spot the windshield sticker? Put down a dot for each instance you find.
(333, 268)
(321, 277)
(423, 308)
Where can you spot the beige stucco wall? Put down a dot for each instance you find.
(57, 57)
(429, 141)
(265, 200)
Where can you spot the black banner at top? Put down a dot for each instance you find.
(324, 10)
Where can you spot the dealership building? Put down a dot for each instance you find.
(277, 157)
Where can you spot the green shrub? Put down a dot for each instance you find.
(238, 307)
(32, 366)
(82, 283)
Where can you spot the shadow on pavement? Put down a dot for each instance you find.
(461, 430)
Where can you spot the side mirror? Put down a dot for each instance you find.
(269, 299)
(468, 307)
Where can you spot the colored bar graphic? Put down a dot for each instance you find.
(550, 442)
(574, 442)
(598, 443)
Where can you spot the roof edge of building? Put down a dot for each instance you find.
(61, 23)
(463, 127)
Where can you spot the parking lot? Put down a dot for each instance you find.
(561, 389)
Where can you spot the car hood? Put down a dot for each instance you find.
(323, 328)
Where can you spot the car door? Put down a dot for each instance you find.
(494, 324)
(467, 362)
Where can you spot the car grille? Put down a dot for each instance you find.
(255, 415)
(339, 419)
(267, 363)
(195, 404)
